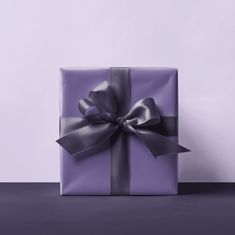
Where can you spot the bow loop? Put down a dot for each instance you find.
(143, 113)
(103, 98)
(87, 108)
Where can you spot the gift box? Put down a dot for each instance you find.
(118, 131)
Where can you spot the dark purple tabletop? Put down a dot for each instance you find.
(38, 209)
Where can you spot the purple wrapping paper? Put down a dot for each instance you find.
(148, 175)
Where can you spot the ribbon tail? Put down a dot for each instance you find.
(87, 137)
(70, 124)
(158, 144)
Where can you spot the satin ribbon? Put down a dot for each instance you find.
(101, 121)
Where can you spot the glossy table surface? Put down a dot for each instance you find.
(38, 209)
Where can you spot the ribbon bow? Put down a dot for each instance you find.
(100, 121)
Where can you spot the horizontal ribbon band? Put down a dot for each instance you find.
(167, 127)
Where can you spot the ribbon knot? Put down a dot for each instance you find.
(124, 125)
(100, 121)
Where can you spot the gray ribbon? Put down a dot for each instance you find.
(100, 121)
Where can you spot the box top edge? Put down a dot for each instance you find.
(95, 68)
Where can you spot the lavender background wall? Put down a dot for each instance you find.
(37, 37)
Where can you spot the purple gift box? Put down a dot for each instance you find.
(132, 170)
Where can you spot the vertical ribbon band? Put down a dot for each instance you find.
(120, 83)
